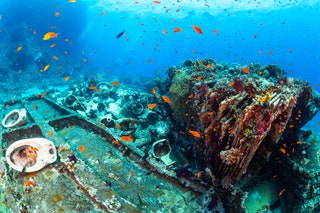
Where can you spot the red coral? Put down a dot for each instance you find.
(238, 85)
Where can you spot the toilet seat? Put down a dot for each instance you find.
(16, 117)
(31, 155)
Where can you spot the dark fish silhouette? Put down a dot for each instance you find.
(120, 34)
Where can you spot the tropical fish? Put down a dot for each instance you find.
(43, 95)
(195, 133)
(19, 48)
(50, 133)
(197, 29)
(81, 148)
(199, 78)
(55, 58)
(50, 35)
(156, 2)
(120, 34)
(52, 45)
(151, 106)
(165, 32)
(46, 67)
(30, 183)
(72, 1)
(67, 78)
(153, 91)
(178, 29)
(56, 14)
(93, 87)
(246, 70)
(115, 83)
(215, 32)
(166, 99)
(127, 138)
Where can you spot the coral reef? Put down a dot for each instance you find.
(240, 113)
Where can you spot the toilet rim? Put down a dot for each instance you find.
(21, 116)
(45, 149)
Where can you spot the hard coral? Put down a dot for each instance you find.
(238, 120)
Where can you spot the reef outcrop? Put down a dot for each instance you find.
(239, 112)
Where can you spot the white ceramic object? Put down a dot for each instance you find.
(31, 155)
(16, 117)
(161, 150)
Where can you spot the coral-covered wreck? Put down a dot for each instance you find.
(243, 115)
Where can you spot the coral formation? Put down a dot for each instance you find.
(240, 113)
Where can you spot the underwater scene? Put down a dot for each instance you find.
(150, 106)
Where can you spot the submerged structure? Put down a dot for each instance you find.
(207, 138)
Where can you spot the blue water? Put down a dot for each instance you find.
(281, 32)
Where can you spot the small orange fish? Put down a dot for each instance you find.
(56, 14)
(215, 32)
(50, 133)
(50, 35)
(116, 142)
(127, 138)
(151, 106)
(32, 156)
(199, 78)
(35, 107)
(35, 149)
(30, 183)
(81, 148)
(67, 78)
(165, 32)
(270, 52)
(43, 95)
(283, 150)
(195, 133)
(166, 99)
(115, 83)
(52, 45)
(282, 191)
(12, 100)
(150, 60)
(73, 1)
(153, 91)
(19, 48)
(55, 58)
(156, 2)
(118, 126)
(103, 13)
(93, 87)
(46, 67)
(178, 29)
(246, 70)
(197, 29)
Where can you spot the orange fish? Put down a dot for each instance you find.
(195, 133)
(35, 107)
(166, 99)
(73, 1)
(50, 35)
(209, 66)
(153, 91)
(19, 48)
(115, 83)
(118, 126)
(30, 183)
(56, 14)
(12, 100)
(67, 78)
(32, 156)
(151, 106)
(156, 2)
(246, 70)
(103, 13)
(55, 58)
(81, 148)
(178, 29)
(197, 29)
(165, 32)
(116, 142)
(35, 149)
(43, 95)
(199, 78)
(282, 191)
(215, 32)
(270, 52)
(93, 87)
(52, 45)
(127, 138)
(46, 67)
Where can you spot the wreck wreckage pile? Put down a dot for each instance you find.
(243, 114)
